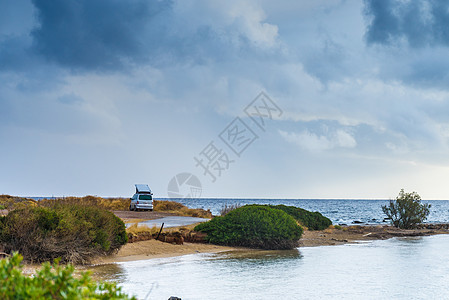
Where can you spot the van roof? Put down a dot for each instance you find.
(143, 188)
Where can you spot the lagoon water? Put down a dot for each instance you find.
(398, 268)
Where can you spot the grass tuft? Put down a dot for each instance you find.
(180, 209)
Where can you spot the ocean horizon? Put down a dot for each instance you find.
(339, 211)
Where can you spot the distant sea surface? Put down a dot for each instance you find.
(340, 211)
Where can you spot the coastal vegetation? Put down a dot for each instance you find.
(226, 208)
(406, 211)
(73, 233)
(12, 202)
(180, 209)
(52, 282)
(309, 219)
(254, 226)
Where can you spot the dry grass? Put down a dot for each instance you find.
(138, 233)
(136, 229)
(226, 208)
(105, 203)
(180, 209)
(12, 202)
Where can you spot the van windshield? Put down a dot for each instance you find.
(145, 197)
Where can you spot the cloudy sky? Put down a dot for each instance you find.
(98, 95)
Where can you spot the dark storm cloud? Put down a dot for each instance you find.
(99, 34)
(420, 23)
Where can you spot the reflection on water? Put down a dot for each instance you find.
(400, 268)
(257, 255)
(172, 221)
(108, 272)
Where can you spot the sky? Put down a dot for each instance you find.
(239, 99)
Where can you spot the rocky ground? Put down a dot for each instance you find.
(352, 234)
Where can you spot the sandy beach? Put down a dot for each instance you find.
(157, 249)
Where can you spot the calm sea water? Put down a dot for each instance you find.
(340, 211)
(398, 268)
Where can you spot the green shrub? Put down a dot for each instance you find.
(311, 220)
(73, 233)
(406, 211)
(338, 227)
(52, 282)
(254, 226)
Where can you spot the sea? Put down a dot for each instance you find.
(339, 211)
(397, 268)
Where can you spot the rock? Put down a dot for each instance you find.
(357, 222)
(174, 298)
(194, 237)
(172, 237)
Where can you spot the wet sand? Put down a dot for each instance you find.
(157, 249)
(353, 234)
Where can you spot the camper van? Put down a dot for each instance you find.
(142, 199)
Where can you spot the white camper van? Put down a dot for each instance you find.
(142, 199)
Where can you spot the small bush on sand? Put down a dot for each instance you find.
(180, 209)
(161, 205)
(254, 226)
(311, 220)
(406, 211)
(52, 282)
(73, 233)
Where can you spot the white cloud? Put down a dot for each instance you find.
(344, 139)
(314, 142)
(230, 20)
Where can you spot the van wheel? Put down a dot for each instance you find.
(130, 208)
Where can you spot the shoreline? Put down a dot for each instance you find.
(152, 249)
(359, 233)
